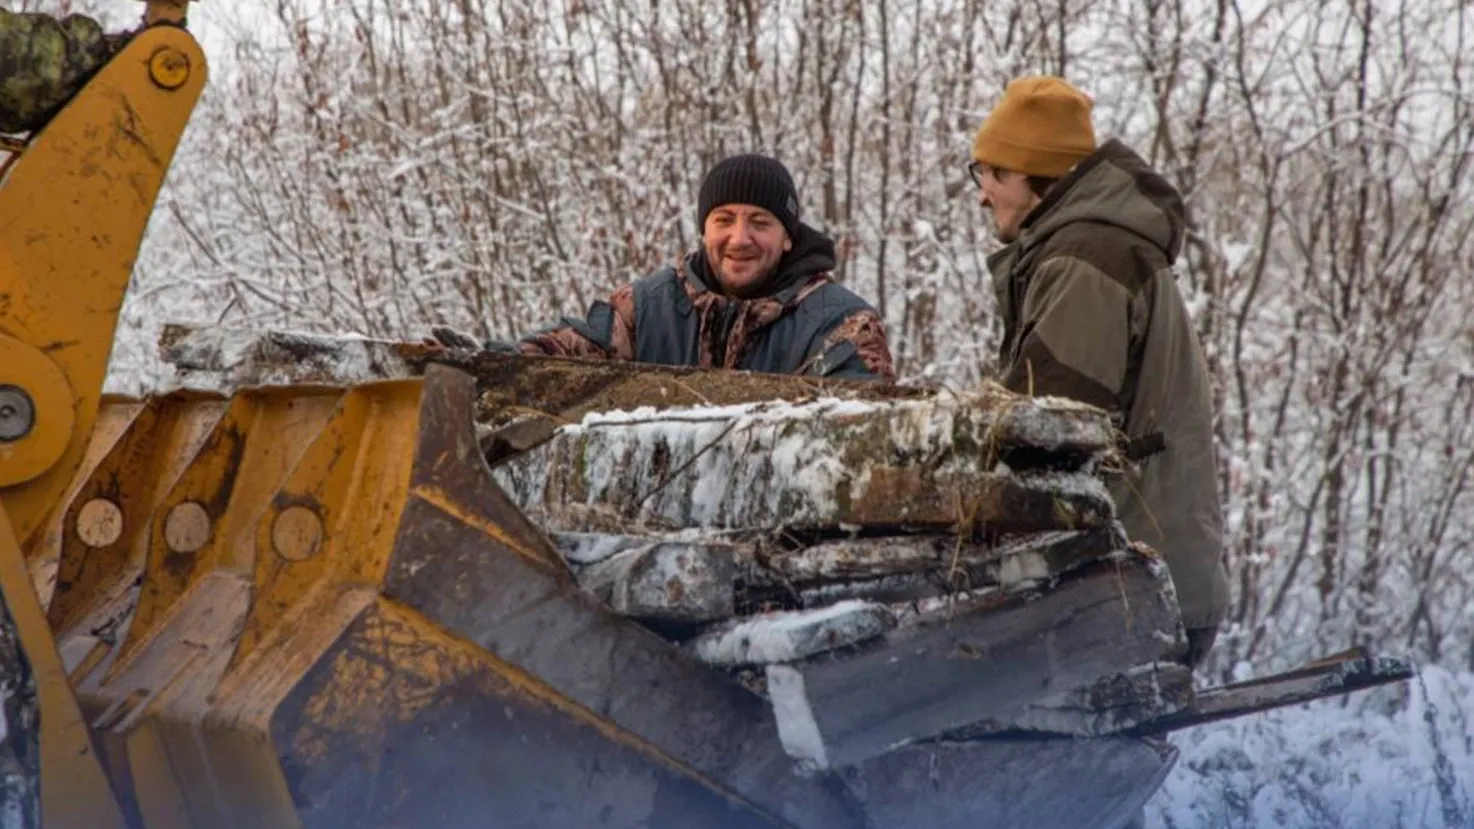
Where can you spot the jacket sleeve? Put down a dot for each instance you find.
(44, 61)
(607, 332)
(855, 350)
(1075, 333)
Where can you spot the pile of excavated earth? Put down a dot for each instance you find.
(886, 565)
(852, 557)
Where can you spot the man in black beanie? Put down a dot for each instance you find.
(756, 296)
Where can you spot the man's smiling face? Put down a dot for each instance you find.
(743, 246)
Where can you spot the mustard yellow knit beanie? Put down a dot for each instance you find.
(1041, 127)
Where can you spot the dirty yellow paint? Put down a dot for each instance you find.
(192, 703)
(160, 802)
(112, 421)
(136, 472)
(410, 669)
(235, 473)
(354, 477)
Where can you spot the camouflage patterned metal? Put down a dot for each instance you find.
(44, 61)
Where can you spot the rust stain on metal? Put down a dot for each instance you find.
(391, 670)
(135, 475)
(443, 501)
(231, 442)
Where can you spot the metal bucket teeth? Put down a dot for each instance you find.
(312, 606)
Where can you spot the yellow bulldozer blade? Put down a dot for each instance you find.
(314, 607)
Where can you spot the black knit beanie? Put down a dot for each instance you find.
(751, 179)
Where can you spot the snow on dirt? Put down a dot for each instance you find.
(740, 466)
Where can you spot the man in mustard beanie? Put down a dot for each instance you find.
(1091, 311)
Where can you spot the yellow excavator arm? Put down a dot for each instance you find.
(73, 207)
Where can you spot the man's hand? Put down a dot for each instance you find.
(444, 338)
(447, 337)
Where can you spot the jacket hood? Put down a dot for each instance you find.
(1112, 186)
(812, 254)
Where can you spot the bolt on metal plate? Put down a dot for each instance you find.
(17, 413)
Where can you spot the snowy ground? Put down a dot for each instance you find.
(1347, 764)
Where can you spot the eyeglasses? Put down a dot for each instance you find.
(975, 170)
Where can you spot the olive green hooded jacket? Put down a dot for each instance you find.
(1092, 311)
